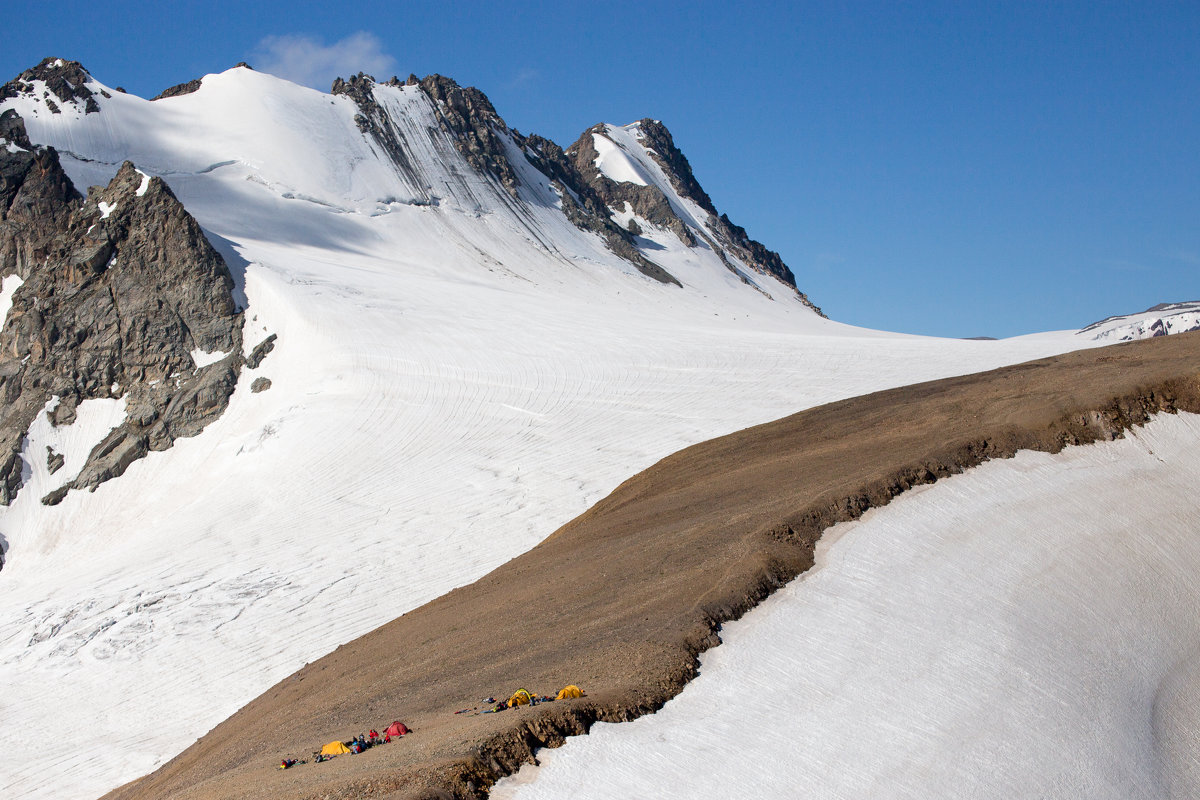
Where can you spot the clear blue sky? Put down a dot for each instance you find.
(952, 168)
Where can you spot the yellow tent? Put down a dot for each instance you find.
(569, 691)
(521, 697)
(335, 749)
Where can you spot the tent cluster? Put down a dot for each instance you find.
(522, 697)
(356, 745)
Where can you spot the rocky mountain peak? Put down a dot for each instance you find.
(660, 145)
(651, 204)
(65, 80)
(120, 290)
(469, 116)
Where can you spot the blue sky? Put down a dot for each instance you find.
(954, 169)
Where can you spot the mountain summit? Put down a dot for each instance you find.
(638, 196)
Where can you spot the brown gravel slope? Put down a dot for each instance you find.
(623, 598)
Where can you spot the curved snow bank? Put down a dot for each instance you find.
(1026, 629)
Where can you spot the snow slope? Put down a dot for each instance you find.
(457, 373)
(1162, 320)
(1025, 629)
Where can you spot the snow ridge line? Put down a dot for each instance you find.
(1046, 405)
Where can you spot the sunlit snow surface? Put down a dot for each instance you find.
(1163, 320)
(1027, 629)
(456, 374)
(9, 285)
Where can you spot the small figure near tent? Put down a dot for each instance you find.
(287, 762)
(570, 692)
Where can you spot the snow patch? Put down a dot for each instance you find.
(7, 288)
(204, 359)
(106, 208)
(141, 190)
(94, 419)
(615, 164)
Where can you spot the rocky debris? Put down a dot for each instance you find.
(66, 80)
(119, 289)
(54, 461)
(178, 89)
(260, 352)
(260, 385)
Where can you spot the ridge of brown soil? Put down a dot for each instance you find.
(622, 599)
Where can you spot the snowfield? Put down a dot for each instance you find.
(457, 373)
(1026, 629)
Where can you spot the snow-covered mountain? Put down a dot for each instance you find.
(1162, 320)
(477, 335)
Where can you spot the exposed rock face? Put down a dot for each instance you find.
(260, 385)
(469, 116)
(119, 290)
(649, 203)
(374, 122)
(66, 80)
(260, 352)
(477, 131)
(585, 207)
(178, 89)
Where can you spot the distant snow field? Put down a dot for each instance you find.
(1026, 629)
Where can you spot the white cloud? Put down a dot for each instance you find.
(524, 77)
(309, 62)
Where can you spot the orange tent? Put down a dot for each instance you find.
(335, 749)
(569, 691)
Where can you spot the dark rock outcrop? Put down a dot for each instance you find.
(260, 352)
(469, 117)
(54, 461)
(119, 290)
(66, 80)
(651, 204)
(585, 207)
(178, 89)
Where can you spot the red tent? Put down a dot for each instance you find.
(396, 729)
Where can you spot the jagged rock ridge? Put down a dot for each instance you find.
(589, 198)
(649, 203)
(66, 80)
(119, 289)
